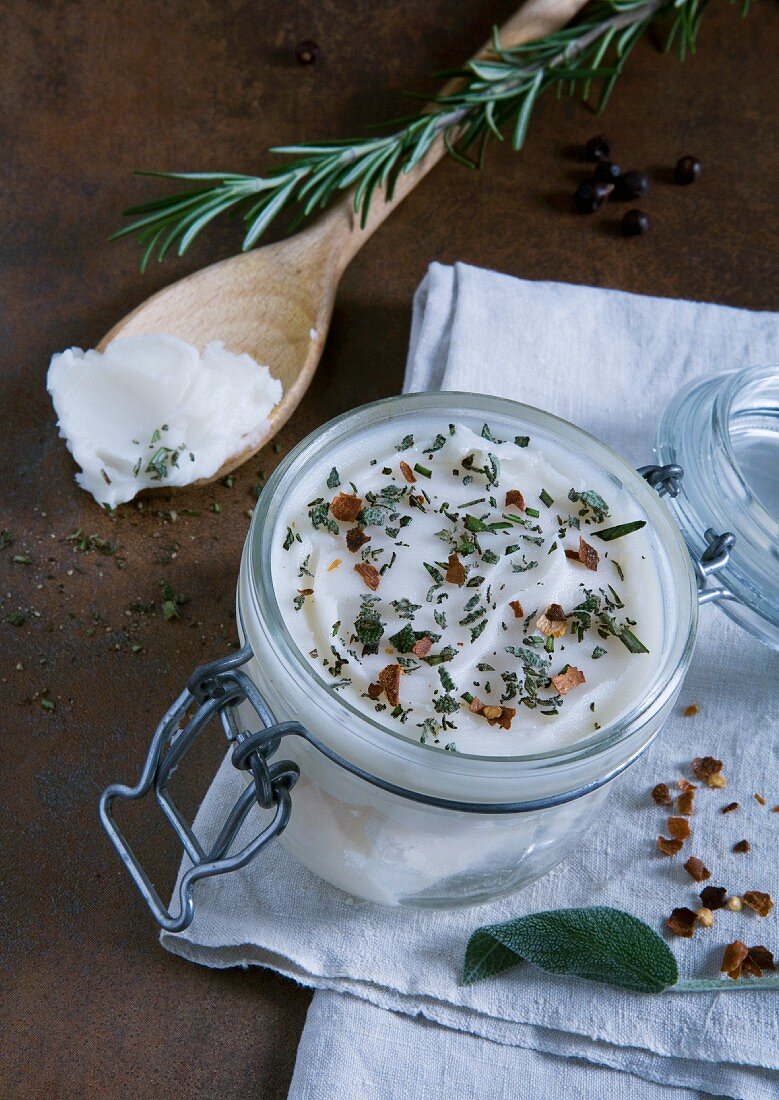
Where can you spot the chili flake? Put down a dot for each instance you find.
(369, 574)
(356, 538)
(553, 622)
(519, 612)
(407, 472)
(714, 897)
(760, 902)
(741, 846)
(455, 571)
(514, 497)
(661, 795)
(345, 507)
(586, 554)
(389, 684)
(697, 869)
(569, 678)
(682, 922)
(669, 847)
(679, 827)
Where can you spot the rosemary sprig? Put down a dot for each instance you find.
(494, 94)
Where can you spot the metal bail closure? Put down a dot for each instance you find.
(216, 689)
(667, 480)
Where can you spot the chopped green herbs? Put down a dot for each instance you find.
(333, 480)
(406, 442)
(594, 508)
(368, 627)
(608, 534)
(405, 608)
(545, 498)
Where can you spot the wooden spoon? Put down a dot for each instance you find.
(276, 302)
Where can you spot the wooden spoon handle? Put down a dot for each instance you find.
(341, 225)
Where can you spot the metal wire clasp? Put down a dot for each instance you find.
(215, 689)
(667, 480)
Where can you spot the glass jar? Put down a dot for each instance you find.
(402, 823)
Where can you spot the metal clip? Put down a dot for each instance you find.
(214, 689)
(715, 557)
(667, 480)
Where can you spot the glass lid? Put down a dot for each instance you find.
(723, 430)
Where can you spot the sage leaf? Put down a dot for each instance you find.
(598, 943)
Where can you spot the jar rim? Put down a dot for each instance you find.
(256, 564)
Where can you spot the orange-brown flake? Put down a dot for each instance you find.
(685, 785)
(369, 574)
(345, 507)
(422, 646)
(553, 621)
(731, 806)
(455, 571)
(334, 564)
(389, 684)
(495, 715)
(517, 608)
(741, 846)
(514, 497)
(760, 959)
(714, 897)
(709, 770)
(669, 847)
(691, 711)
(760, 902)
(570, 678)
(697, 869)
(679, 827)
(733, 958)
(661, 795)
(685, 803)
(408, 473)
(586, 554)
(356, 538)
(759, 798)
(682, 922)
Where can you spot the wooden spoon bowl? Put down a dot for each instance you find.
(276, 302)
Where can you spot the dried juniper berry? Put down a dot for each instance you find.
(307, 52)
(634, 223)
(590, 196)
(607, 172)
(687, 170)
(631, 185)
(598, 148)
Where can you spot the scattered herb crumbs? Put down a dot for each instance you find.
(22, 559)
(333, 480)
(276, 447)
(545, 498)
(406, 442)
(522, 440)
(6, 538)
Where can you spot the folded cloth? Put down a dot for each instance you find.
(610, 362)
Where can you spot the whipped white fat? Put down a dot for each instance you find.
(458, 588)
(152, 410)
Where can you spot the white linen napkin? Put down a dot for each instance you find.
(610, 362)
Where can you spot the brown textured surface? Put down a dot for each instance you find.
(90, 1004)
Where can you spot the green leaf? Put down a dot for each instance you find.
(608, 534)
(598, 943)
